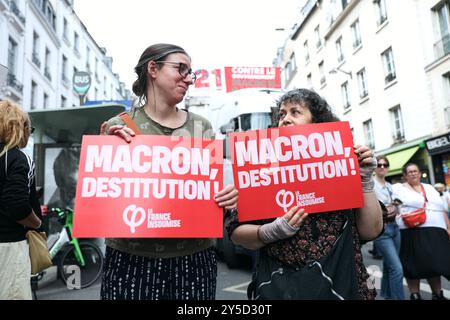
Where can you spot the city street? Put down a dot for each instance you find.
(231, 285)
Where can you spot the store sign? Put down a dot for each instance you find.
(438, 144)
(81, 82)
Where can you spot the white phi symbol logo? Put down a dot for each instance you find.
(285, 199)
(132, 220)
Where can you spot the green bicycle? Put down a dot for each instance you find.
(73, 257)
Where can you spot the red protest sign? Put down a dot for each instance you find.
(313, 166)
(153, 187)
(237, 78)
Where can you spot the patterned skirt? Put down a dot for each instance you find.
(132, 277)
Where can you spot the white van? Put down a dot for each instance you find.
(242, 110)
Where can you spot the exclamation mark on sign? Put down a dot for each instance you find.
(352, 166)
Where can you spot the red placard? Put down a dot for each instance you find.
(153, 187)
(313, 166)
(252, 77)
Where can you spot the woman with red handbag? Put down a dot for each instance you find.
(425, 232)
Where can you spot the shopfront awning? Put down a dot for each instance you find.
(398, 159)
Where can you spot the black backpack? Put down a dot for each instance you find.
(333, 277)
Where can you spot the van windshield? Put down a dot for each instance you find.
(255, 121)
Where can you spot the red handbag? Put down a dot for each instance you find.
(417, 217)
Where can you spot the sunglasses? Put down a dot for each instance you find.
(30, 129)
(183, 69)
(382, 165)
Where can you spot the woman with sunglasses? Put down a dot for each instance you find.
(20, 209)
(160, 269)
(388, 244)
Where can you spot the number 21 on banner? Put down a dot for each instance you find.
(207, 80)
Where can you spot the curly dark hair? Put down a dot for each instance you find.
(319, 108)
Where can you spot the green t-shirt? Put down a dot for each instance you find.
(195, 126)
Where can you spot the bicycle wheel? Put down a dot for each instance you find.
(81, 277)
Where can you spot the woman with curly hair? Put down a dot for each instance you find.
(19, 204)
(297, 239)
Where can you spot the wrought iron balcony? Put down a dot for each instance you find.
(35, 59)
(16, 11)
(12, 82)
(65, 80)
(47, 74)
(390, 77)
(442, 47)
(398, 136)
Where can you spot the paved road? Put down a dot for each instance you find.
(231, 284)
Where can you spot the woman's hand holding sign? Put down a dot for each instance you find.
(119, 130)
(369, 220)
(227, 197)
(367, 164)
(283, 227)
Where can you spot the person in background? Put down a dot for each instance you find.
(388, 243)
(161, 269)
(375, 252)
(445, 195)
(297, 238)
(19, 204)
(424, 249)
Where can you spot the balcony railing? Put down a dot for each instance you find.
(47, 74)
(12, 82)
(364, 94)
(36, 60)
(381, 19)
(447, 116)
(46, 10)
(64, 79)
(442, 47)
(390, 77)
(398, 136)
(16, 11)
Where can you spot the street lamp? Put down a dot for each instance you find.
(335, 70)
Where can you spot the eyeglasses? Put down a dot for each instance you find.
(183, 69)
(30, 129)
(382, 165)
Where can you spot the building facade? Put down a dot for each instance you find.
(387, 75)
(42, 44)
